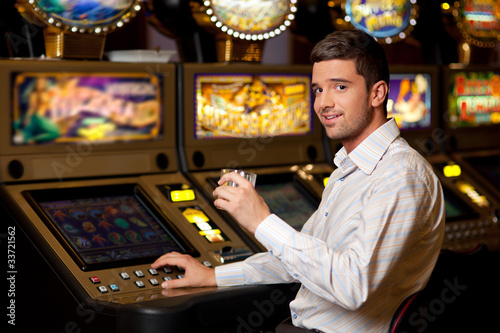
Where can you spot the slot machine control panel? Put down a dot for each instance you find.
(106, 240)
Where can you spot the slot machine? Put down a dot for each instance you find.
(260, 118)
(471, 123)
(91, 183)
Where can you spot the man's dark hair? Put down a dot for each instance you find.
(357, 45)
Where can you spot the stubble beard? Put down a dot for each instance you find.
(352, 128)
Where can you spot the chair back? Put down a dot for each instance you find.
(462, 295)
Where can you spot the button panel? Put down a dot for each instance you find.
(463, 235)
(128, 280)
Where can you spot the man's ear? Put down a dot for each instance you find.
(379, 92)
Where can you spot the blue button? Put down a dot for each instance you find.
(295, 316)
(326, 213)
(114, 287)
(341, 179)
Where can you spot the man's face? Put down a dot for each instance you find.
(341, 102)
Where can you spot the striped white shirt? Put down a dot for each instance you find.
(373, 241)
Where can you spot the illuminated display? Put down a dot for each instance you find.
(112, 227)
(81, 107)
(474, 99)
(252, 105)
(409, 100)
(385, 20)
(469, 190)
(205, 226)
(183, 195)
(178, 192)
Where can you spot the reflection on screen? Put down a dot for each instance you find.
(109, 228)
(286, 201)
(410, 101)
(62, 107)
(474, 99)
(252, 105)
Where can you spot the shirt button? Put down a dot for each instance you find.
(326, 214)
(341, 179)
(295, 316)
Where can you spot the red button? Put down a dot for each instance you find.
(95, 280)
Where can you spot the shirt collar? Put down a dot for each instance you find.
(369, 152)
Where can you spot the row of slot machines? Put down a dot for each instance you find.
(106, 166)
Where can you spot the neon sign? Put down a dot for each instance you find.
(387, 21)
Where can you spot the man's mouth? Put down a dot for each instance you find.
(332, 117)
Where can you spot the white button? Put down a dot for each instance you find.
(102, 289)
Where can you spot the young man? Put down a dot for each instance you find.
(378, 230)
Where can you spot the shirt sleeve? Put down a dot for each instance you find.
(393, 228)
(261, 268)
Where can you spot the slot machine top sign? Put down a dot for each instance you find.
(386, 21)
(478, 21)
(242, 26)
(77, 28)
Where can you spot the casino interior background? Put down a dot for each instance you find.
(156, 179)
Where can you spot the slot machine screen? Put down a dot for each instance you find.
(251, 105)
(413, 101)
(71, 107)
(106, 226)
(248, 114)
(455, 208)
(56, 106)
(287, 198)
(410, 102)
(471, 99)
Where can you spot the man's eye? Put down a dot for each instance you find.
(341, 87)
(318, 90)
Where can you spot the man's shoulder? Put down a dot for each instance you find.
(401, 156)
